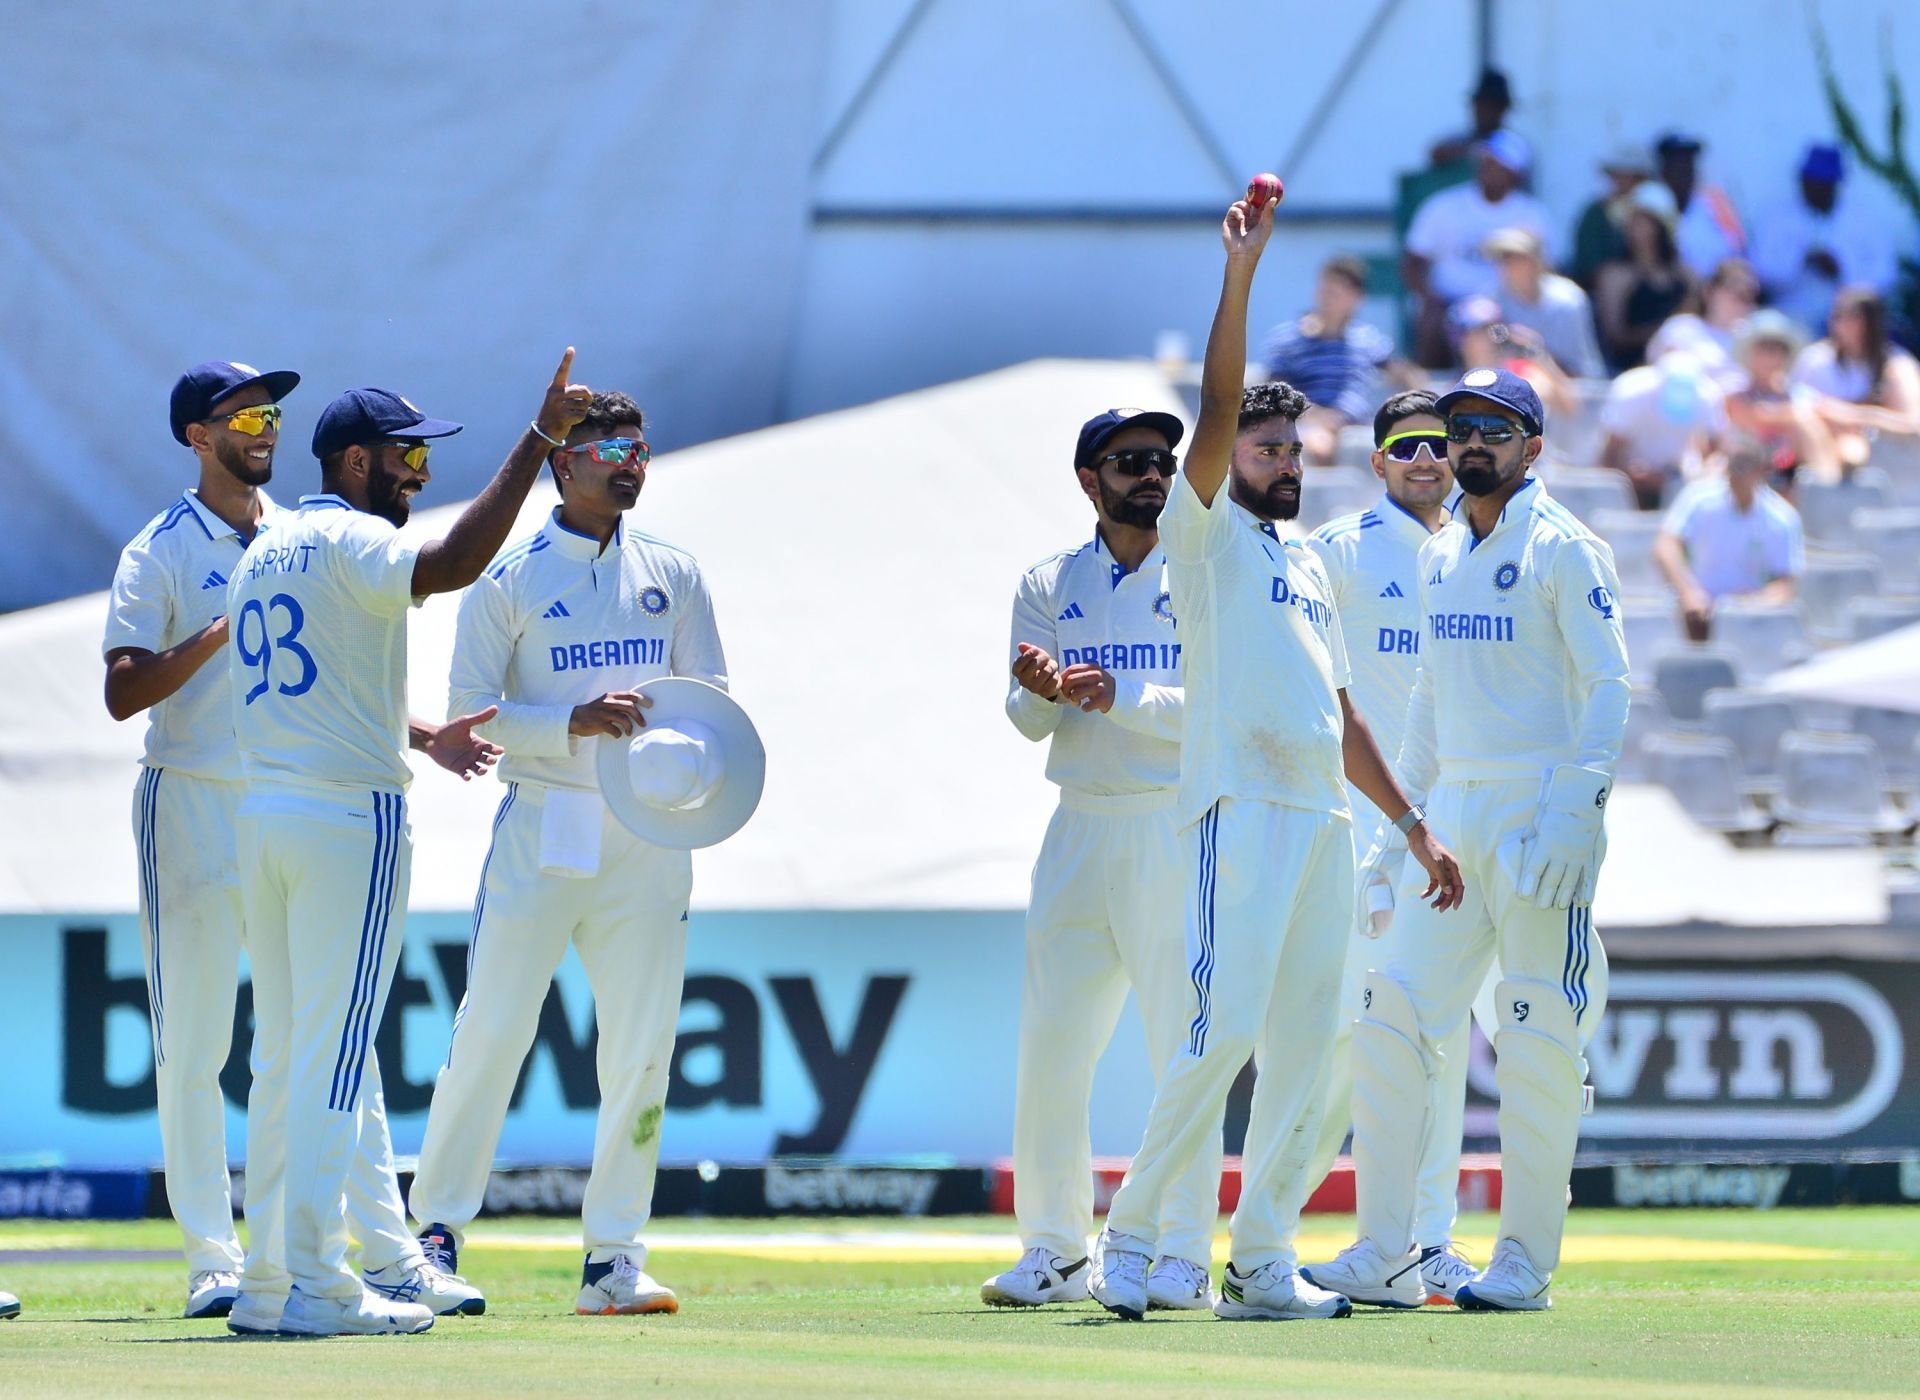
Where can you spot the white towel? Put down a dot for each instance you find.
(570, 833)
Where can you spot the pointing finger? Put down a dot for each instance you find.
(566, 368)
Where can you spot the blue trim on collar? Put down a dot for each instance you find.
(324, 501)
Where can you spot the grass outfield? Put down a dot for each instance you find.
(1668, 1303)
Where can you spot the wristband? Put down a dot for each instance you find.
(535, 426)
(1409, 819)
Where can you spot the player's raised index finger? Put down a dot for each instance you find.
(566, 368)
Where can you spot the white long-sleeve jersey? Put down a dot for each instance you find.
(1522, 663)
(556, 621)
(1080, 605)
(1372, 558)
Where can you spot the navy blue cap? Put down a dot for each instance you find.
(362, 416)
(1503, 387)
(1673, 143)
(200, 388)
(1823, 163)
(1098, 430)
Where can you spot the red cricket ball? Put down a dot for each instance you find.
(1263, 189)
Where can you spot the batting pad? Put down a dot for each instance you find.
(1542, 1095)
(1392, 1096)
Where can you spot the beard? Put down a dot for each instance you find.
(1280, 501)
(385, 498)
(1126, 507)
(1478, 476)
(242, 468)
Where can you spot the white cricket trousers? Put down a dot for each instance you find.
(1441, 959)
(629, 924)
(1269, 901)
(1109, 891)
(325, 891)
(192, 930)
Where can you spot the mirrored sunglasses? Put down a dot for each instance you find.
(1405, 447)
(251, 421)
(416, 453)
(1141, 461)
(1493, 429)
(616, 452)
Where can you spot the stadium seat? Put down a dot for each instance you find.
(1893, 537)
(1829, 585)
(1686, 674)
(1896, 734)
(1631, 533)
(1872, 617)
(1586, 491)
(1646, 717)
(1651, 630)
(1827, 507)
(1754, 724)
(1702, 771)
(1834, 783)
(1761, 638)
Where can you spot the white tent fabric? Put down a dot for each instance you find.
(1882, 672)
(862, 565)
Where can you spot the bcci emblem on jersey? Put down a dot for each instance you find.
(1506, 576)
(653, 600)
(1163, 607)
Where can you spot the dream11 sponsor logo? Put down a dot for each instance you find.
(1738, 1055)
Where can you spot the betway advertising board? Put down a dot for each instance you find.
(887, 1037)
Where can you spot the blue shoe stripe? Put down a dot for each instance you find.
(479, 913)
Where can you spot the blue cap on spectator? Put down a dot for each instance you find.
(362, 416)
(1823, 163)
(1510, 149)
(1097, 431)
(200, 388)
(1503, 387)
(1673, 143)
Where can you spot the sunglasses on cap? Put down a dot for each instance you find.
(416, 453)
(1405, 447)
(1140, 461)
(251, 421)
(616, 452)
(1493, 429)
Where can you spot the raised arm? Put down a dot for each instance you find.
(1223, 374)
(450, 564)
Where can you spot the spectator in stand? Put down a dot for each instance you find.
(1807, 247)
(1730, 536)
(1658, 420)
(1336, 361)
(1708, 327)
(1707, 227)
(1544, 302)
(1862, 381)
(1491, 100)
(1633, 296)
(1482, 340)
(1766, 407)
(1597, 238)
(1443, 261)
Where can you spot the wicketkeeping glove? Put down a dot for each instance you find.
(1560, 854)
(1379, 875)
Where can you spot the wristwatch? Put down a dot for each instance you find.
(1409, 819)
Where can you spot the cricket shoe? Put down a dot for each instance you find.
(440, 1249)
(620, 1287)
(1443, 1268)
(1367, 1274)
(1180, 1284)
(9, 1306)
(1276, 1292)
(256, 1314)
(1118, 1279)
(417, 1281)
(369, 1315)
(210, 1293)
(1510, 1283)
(1040, 1277)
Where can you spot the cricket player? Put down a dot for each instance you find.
(166, 622)
(318, 612)
(1268, 739)
(1370, 561)
(554, 639)
(1096, 667)
(1513, 732)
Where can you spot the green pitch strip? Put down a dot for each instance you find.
(1657, 1303)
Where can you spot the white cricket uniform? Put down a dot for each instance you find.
(171, 583)
(1263, 812)
(317, 662)
(1522, 669)
(553, 623)
(1370, 560)
(1108, 889)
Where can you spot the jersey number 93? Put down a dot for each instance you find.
(259, 653)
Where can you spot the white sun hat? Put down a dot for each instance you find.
(692, 774)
